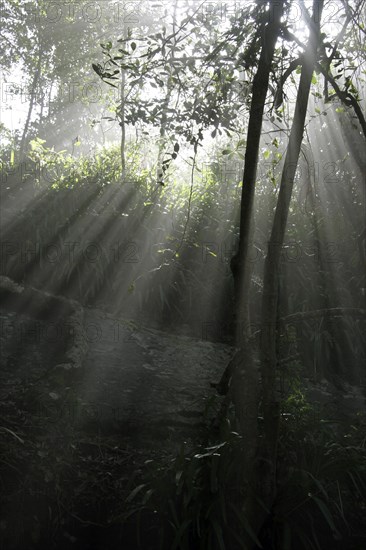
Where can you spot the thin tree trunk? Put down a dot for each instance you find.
(164, 116)
(245, 379)
(35, 82)
(271, 412)
(244, 387)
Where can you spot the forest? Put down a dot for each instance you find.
(183, 275)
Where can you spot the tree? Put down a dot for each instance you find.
(244, 386)
(271, 410)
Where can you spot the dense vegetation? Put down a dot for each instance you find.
(197, 168)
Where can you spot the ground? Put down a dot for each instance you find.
(77, 441)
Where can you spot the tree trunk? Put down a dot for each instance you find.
(241, 266)
(35, 82)
(245, 384)
(244, 372)
(271, 412)
(164, 115)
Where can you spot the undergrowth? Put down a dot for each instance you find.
(321, 489)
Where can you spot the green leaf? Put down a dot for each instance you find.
(226, 151)
(97, 68)
(147, 496)
(314, 80)
(267, 154)
(326, 513)
(133, 46)
(133, 493)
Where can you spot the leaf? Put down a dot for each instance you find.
(55, 396)
(176, 147)
(147, 496)
(133, 46)
(133, 493)
(97, 68)
(12, 433)
(226, 151)
(267, 154)
(327, 514)
(178, 475)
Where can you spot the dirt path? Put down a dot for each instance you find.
(146, 383)
(137, 382)
(73, 451)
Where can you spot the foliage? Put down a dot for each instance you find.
(321, 488)
(191, 497)
(321, 479)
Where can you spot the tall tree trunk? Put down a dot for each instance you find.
(164, 115)
(271, 412)
(245, 381)
(244, 386)
(35, 82)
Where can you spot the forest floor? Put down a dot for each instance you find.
(72, 451)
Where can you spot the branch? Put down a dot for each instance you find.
(347, 98)
(278, 100)
(354, 13)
